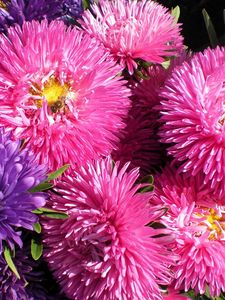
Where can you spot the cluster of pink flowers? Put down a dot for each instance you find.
(117, 97)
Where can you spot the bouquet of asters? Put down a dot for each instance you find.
(112, 160)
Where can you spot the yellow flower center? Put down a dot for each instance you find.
(53, 92)
(214, 223)
(2, 4)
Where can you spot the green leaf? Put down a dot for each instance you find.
(141, 75)
(147, 179)
(10, 263)
(57, 173)
(155, 225)
(190, 294)
(50, 213)
(175, 12)
(166, 64)
(113, 163)
(146, 189)
(86, 4)
(36, 249)
(37, 212)
(37, 227)
(210, 29)
(56, 215)
(41, 187)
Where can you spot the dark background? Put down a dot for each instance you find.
(194, 30)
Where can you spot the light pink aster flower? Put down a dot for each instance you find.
(140, 144)
(59, 93)
(104, 250)
(193, 113)
(134, 30)
(198, 224)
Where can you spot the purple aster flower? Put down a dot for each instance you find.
(18, 173)
(30, 284)
(11, 287)
(18, 11)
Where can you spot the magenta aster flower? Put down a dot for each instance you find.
(60, 93)
(198, 224)
(104, 250)
(18, 173)
(193, 114)
(134, 30)
(140, 144)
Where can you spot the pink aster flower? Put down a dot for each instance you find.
(140, 144)
(198, 224)
(134, 30)
(193, 113)
(104, 250)
(60, 93)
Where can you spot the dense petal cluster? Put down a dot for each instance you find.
(197, 219)
(104, 250)
(18, 11)
(134, 30)
(60, 93)
(18, 173)
(140, 143)
(193, 114)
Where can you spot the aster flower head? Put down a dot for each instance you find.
(134, 30)
(193, 117)
(104, 250)
(19, 11)
(60, 93)
(19, 173)
(28, 286)
(197, 219)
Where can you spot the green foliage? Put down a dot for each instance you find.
(50, 213)
(147, 181)
(36, 248)
(210, 29)
(191, 294)
(47, 184)
(175, 12)
(43, 186)
(8, 258)
(57, 173)
(37, 227)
